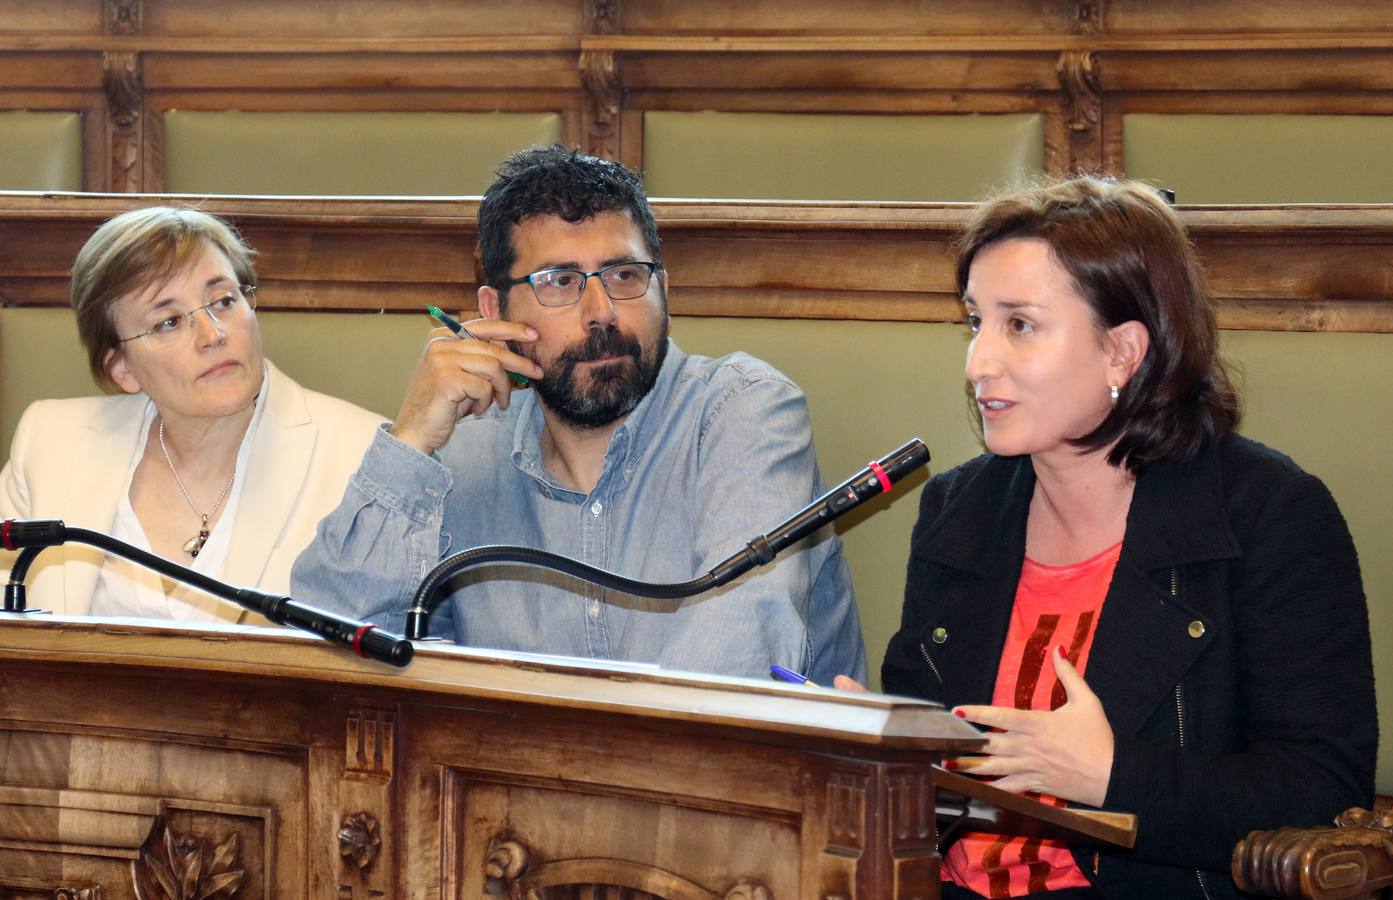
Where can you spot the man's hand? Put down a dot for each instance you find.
(458, 377)
(1066, 752)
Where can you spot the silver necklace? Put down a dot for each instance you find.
(195, 544)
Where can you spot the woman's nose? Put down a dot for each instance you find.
(980, 359)
(208, 331)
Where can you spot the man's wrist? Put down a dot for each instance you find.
(411, 439)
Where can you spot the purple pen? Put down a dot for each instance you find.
(783, 674)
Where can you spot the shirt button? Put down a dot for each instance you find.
(593, 609)
(940, 635)
(596, 508)
(1196, 629)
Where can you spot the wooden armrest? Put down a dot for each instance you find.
(1352, 860)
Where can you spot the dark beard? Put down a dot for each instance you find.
(615, 387)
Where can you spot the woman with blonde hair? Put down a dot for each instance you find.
(205, 453)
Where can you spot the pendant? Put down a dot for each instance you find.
(195, 543)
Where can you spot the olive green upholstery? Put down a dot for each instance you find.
(1262, 159)
(40, 151)
(344, 153)
(837, 157)
(1322, 398)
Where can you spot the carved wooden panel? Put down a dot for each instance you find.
(188, 866)
(1082, 96)
(599, 75)
(125, 99)
(19, 888)
(364, 801)
(506, 837)
(122, 17)
(369, 746)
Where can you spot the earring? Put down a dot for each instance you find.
(1113, 391)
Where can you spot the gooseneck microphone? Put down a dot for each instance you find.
(363, 638)
(877, 478)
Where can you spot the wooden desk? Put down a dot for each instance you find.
(122, 744)
(277, 766)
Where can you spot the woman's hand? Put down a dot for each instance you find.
(458, 377)
(1066, 752)
(846, 683)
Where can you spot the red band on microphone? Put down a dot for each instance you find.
(885, 483)
(5, 535)
(358, 639)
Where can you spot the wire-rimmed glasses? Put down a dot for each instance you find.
(225, 307)
(562, 287)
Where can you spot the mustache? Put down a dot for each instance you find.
(599, 344)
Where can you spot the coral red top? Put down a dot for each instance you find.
(1054, 605)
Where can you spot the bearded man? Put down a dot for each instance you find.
(627, 454)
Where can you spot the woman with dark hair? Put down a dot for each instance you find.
(1144, 610)
(203, 452)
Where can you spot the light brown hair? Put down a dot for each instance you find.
(129, 253)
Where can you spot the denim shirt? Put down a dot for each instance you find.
(718, 452)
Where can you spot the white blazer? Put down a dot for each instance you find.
(69, 459)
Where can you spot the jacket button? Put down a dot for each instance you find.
(940, 635)
(1196, 629)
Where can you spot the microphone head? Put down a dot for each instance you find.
(15, 534)
(899, 463)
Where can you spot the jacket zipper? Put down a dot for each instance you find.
(1180, 724)
(924, 652)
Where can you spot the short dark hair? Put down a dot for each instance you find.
(1131, 260)
(556, 181)
(132, 251)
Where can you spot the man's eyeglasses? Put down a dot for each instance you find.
(562, 287)
(226, 307)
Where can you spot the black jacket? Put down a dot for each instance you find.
(1232, 653)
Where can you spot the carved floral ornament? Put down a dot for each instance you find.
(186, 867)
(602, 16)
(123, 16)
(360, 839)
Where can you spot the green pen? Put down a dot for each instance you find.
(454, 325)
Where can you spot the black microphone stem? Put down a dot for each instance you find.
(363, 638)
(877, 478)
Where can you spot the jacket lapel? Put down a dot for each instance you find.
(93, 492)
(982, 536)
(277, 465)
(1148, 637)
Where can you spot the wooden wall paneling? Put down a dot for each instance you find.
(1291, 67)
(353, 19)
(1284, 268)
(864, 66)
(239, 74)
(838, 18)
(1235, 16)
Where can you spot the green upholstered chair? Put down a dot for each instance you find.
(344, 153)
(40, 151)
(837, 157)
(1262, 159)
